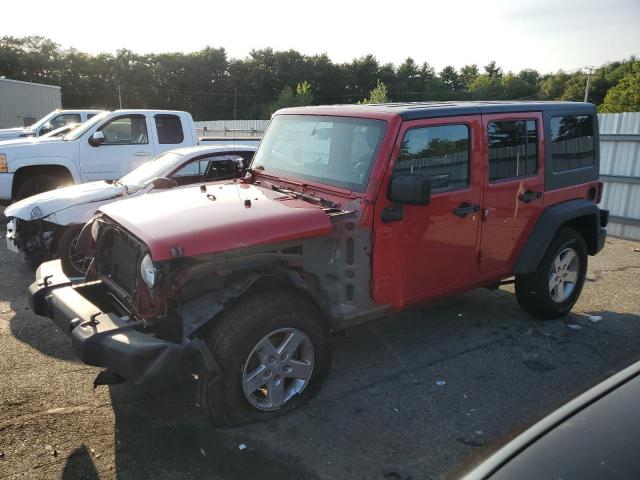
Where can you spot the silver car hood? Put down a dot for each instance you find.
(59, 199)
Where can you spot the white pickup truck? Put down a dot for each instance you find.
(51, 121)
(106, 147)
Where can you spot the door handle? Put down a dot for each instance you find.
(529, 195)
(466, 208)
(142, 154)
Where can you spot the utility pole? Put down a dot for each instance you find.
(235, 97)
(586, 88)
(119, 97)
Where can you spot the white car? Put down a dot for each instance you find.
(48, 224)
(47, 137)
(51, 121)
(106, 147)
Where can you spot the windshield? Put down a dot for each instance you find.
(78, 132)
(42, 121)
(157, 167)
(338, 151)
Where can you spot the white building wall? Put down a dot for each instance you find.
(22, 101)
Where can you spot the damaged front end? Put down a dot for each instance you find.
(142, 320)
(33, 238)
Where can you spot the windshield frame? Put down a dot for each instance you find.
(168, 166)
(76, 133)
(346, 186)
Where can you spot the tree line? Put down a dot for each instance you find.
(211, 85)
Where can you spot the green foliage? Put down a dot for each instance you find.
(211, 86)
(377, 95)
(625, 96)
(288, 98)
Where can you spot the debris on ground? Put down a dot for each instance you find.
(51, 450)
(440, 383)
(574, 326)
(595, 318)
(636, 249)
(242, 446)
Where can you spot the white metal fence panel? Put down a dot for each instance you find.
(232, 128)
(620, 171)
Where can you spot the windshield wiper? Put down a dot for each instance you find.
(305, 196)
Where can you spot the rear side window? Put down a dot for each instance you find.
(440, 152)
(513, 149)
(571, 142)
(169, 129)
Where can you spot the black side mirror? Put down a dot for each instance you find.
(162, 183)
(46, 128)
(97, 139)
(412, 189)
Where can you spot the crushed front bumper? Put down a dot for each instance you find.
(105, 339)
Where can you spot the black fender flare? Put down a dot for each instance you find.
(550, 222)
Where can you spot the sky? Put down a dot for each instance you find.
(547, 35)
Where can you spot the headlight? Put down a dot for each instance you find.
(148, 271)
(95, 228)
(3, 163)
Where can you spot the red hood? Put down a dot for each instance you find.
(241, 215)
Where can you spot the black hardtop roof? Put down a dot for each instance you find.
(417, 110)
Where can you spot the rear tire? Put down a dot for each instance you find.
(36, 184)
(239, 339)
(553, 289)
(74, 264)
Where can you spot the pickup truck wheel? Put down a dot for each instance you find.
(36, 184)
(552, 290)
(74, 263)
(273, 350)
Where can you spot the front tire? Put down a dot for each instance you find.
(36, 184)
(74, 263)
(553, 289)
(273, 351)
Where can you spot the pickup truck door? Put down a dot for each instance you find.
(432, 249)
(127, 145)
(514, 185)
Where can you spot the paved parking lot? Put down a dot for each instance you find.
(408, 397)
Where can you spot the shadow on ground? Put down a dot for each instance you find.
(385, 411)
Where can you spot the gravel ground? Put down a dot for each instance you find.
(411, 396)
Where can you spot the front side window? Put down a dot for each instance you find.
(338, 151)
(441, 152)
(169, 129)
(513, 149)
(572, 142)
(65, 119)
(128, 130)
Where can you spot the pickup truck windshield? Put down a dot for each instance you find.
(338, 151)
(158, 167)
(78, 132)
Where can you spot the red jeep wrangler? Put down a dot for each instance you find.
(348, 213)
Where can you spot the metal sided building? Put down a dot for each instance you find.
(22, 103)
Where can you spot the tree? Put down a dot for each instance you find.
(492, 70)
(377, 95)
(468, 74)
(288, 98)
(625, 96)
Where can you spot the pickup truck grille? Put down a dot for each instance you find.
(119, 259)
